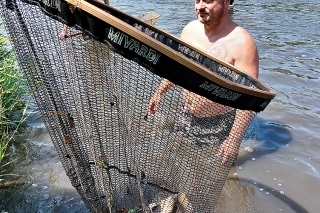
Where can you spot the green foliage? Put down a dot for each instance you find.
(134, 210)
(12, 91)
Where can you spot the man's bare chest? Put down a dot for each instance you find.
(221, 49)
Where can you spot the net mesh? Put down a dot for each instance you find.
(94, 104)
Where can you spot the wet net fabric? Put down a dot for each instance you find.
(94, 104)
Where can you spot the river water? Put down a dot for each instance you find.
(279, 171)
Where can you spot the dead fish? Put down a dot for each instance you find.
(167, 205)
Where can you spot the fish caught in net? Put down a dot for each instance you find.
(93, 90)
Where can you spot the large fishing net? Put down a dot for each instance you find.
(93, 90)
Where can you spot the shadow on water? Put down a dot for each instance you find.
(287, 200)
(269, 137)
(272, 135)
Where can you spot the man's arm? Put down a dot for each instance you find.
(154, 102)
(246, 56)
(229, 149)
(164, 86)
(247, 59)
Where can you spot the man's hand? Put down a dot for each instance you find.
(154, 103)
(228, 151)
(63, 33)
(62, 36)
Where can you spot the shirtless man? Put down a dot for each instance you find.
(215, 33)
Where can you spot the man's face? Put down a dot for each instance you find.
(210, 11)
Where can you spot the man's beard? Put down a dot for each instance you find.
(214, 19)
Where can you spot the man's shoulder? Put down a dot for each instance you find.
(188, 32)
(241, 35)
(244, 51)
(192, 25)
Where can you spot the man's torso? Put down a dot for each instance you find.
(221, 46)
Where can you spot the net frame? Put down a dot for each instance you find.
(244, 84)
